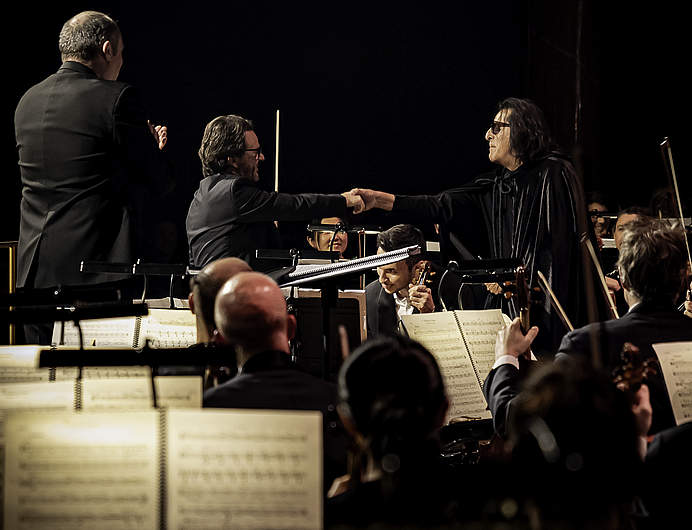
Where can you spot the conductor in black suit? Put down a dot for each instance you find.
(83, 142)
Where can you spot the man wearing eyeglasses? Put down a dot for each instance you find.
(532, 208)
(229, 215)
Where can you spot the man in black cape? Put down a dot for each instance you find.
(532, 208)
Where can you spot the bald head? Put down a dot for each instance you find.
(250, 312)
(204, 288)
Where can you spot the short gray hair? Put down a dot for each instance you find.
(82, 37)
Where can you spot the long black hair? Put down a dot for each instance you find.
(530, 135)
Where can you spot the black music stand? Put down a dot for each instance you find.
(324, 278)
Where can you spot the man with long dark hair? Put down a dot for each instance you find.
(230, 216)
(531, 207)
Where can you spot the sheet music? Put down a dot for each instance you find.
(165, 303)
(97, 333)
(440, 334)
(19, 364)
(135, 393)
(82, 471)
(244, 469)
(676, 363)
(480, 331)
(168, 328)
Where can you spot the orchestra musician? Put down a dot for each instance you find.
(653, 273)
(531, 207)
(250, 312)
(396, 291)
(84, 145)
(329, 240)
(229, 214)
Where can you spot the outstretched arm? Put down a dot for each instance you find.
(374, 199)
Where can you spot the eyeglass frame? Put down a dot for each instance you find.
(496, 126)
(258, 152)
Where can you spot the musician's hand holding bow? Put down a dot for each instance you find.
(511, 341)
(688, 303)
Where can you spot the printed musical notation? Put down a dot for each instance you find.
(68, 470)
(440, 334)
(252, 468)
(164, 469)
(676, 363)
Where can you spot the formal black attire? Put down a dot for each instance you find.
(381, 316)
(533, 213)
(232, 216)
(644, 324)
(85, 153)
(668, 466)
(269, 380)
(83, 144)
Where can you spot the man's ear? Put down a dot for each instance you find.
(291, 326)
(310, 241)
(232, 162)
(191, 302)
(107, 50)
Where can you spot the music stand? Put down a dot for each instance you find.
(324, 277)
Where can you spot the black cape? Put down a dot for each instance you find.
(535, 213)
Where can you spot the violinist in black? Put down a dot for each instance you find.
(531, 208)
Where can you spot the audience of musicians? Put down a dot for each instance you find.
(230, 216)
(396, 291)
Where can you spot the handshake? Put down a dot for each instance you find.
(363, 199)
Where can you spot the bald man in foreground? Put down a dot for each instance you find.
(203, 290)
(250, 313)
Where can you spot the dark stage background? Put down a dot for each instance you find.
(390, 96)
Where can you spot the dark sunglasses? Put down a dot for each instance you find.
(497, 126)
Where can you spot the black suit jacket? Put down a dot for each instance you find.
(644, 325)
(231, 216)
(668, 465)
(83, 142)
(269, 380)
(381, 314)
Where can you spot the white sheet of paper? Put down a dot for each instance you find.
(135, 393)
(480, 329)
(676, 363)
(439, 333)
(82, 471)
(244, 469)
(168, 328)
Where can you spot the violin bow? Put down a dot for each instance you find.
(545, 287)
(667, 152)
(594, 259)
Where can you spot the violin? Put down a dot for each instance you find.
(421, 274)
(633, 370)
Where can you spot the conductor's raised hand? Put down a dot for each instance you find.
(160, 134)
(511, 341)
